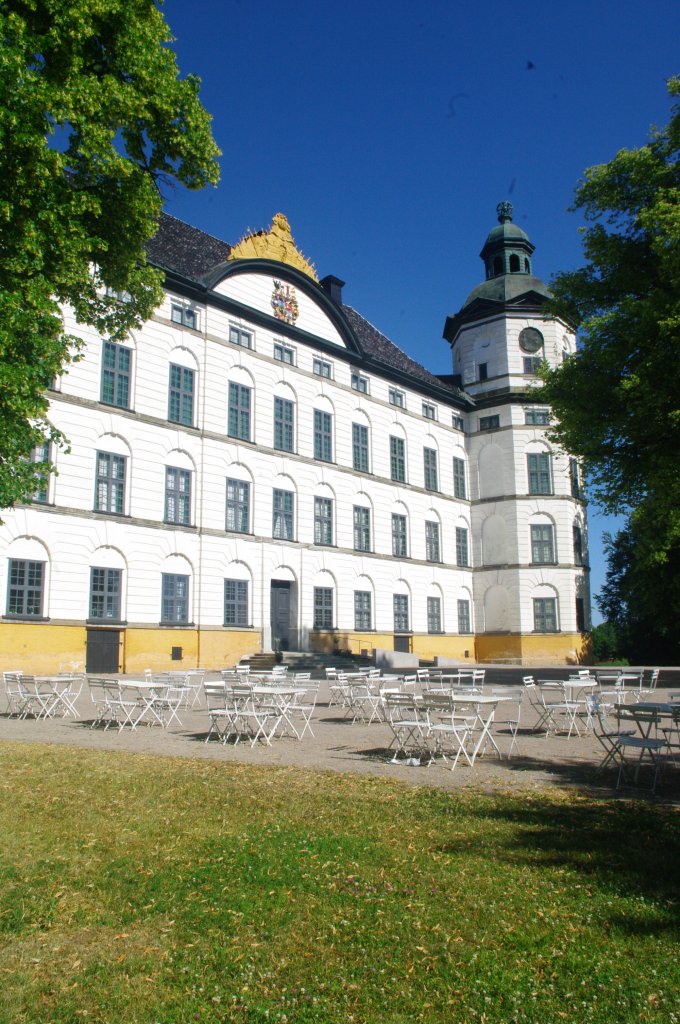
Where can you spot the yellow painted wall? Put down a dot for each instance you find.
(45, 648)
(428, 647)
(41, 648)
(212, 648)
(225, 648)
(534, 648)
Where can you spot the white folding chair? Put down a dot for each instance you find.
(449, 731)
(102, 692)
(509, 712)
(194, 685)
(15, 701)
(633, 749)
(408, 724)
(39, 697)
(221, 716)
(68, 694)
(303, 706)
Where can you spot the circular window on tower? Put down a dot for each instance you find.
(530, 340)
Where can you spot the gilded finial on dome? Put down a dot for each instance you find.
(504, 211)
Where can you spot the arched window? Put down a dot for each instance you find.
(497, 265)
(514, 263)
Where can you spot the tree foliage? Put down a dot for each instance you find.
(641, 598)
(617, 404)
(94, 119)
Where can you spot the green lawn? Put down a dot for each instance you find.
(138, 889)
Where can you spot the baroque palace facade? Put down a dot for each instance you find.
(259, 467)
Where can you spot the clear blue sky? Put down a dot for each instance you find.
(387, 133)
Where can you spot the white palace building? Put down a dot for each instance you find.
(259, 467)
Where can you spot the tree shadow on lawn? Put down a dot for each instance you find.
(629, 850)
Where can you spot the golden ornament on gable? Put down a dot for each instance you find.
(275, 244)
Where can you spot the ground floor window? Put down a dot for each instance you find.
(464, 617)
(25, 588)
(105, 593)
(434, 615)
(362, 609)
(175, 599)
(323, 608)
(400, 613)
(235, 603)
(545, 615)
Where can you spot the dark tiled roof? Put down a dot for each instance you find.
(187, 251)
(380, 349)
(181, 249)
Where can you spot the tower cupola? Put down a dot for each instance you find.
(507, 249)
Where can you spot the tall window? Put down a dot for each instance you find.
(322, 368)
(360, 447)
(323, 607)
(489, 422)
(434, 615)
(432, 551)
(540, 477)
(239, 412)
(284, 353)
(542, 544)
(545, 615)
(464, 617)
(238, 506)
(39, 455)
(462, 557)
(110, 484)
(362, 609)
(360, 383)
(537, 417)
(430, 464)
(105, 593)
(580, 615)
(282, 520)
(362, 528)
(25, 585)
(532, 364)
(184, 315)
(400, 606)
(235, 603)
(574, 478)
(483, 370)
(578, 544)
(323, 436)
(399, 538)
(459, 486)
(115, 382)
(181, 397)
(239, 337)
(283, 425)
(177, 496)
(397, 459)
(175, 598)
(323, 521)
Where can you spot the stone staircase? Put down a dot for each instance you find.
(305, 661)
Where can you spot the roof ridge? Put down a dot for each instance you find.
(192, 227)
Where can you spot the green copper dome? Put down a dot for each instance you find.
(507, 255)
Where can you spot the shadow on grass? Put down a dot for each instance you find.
(624, 848)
